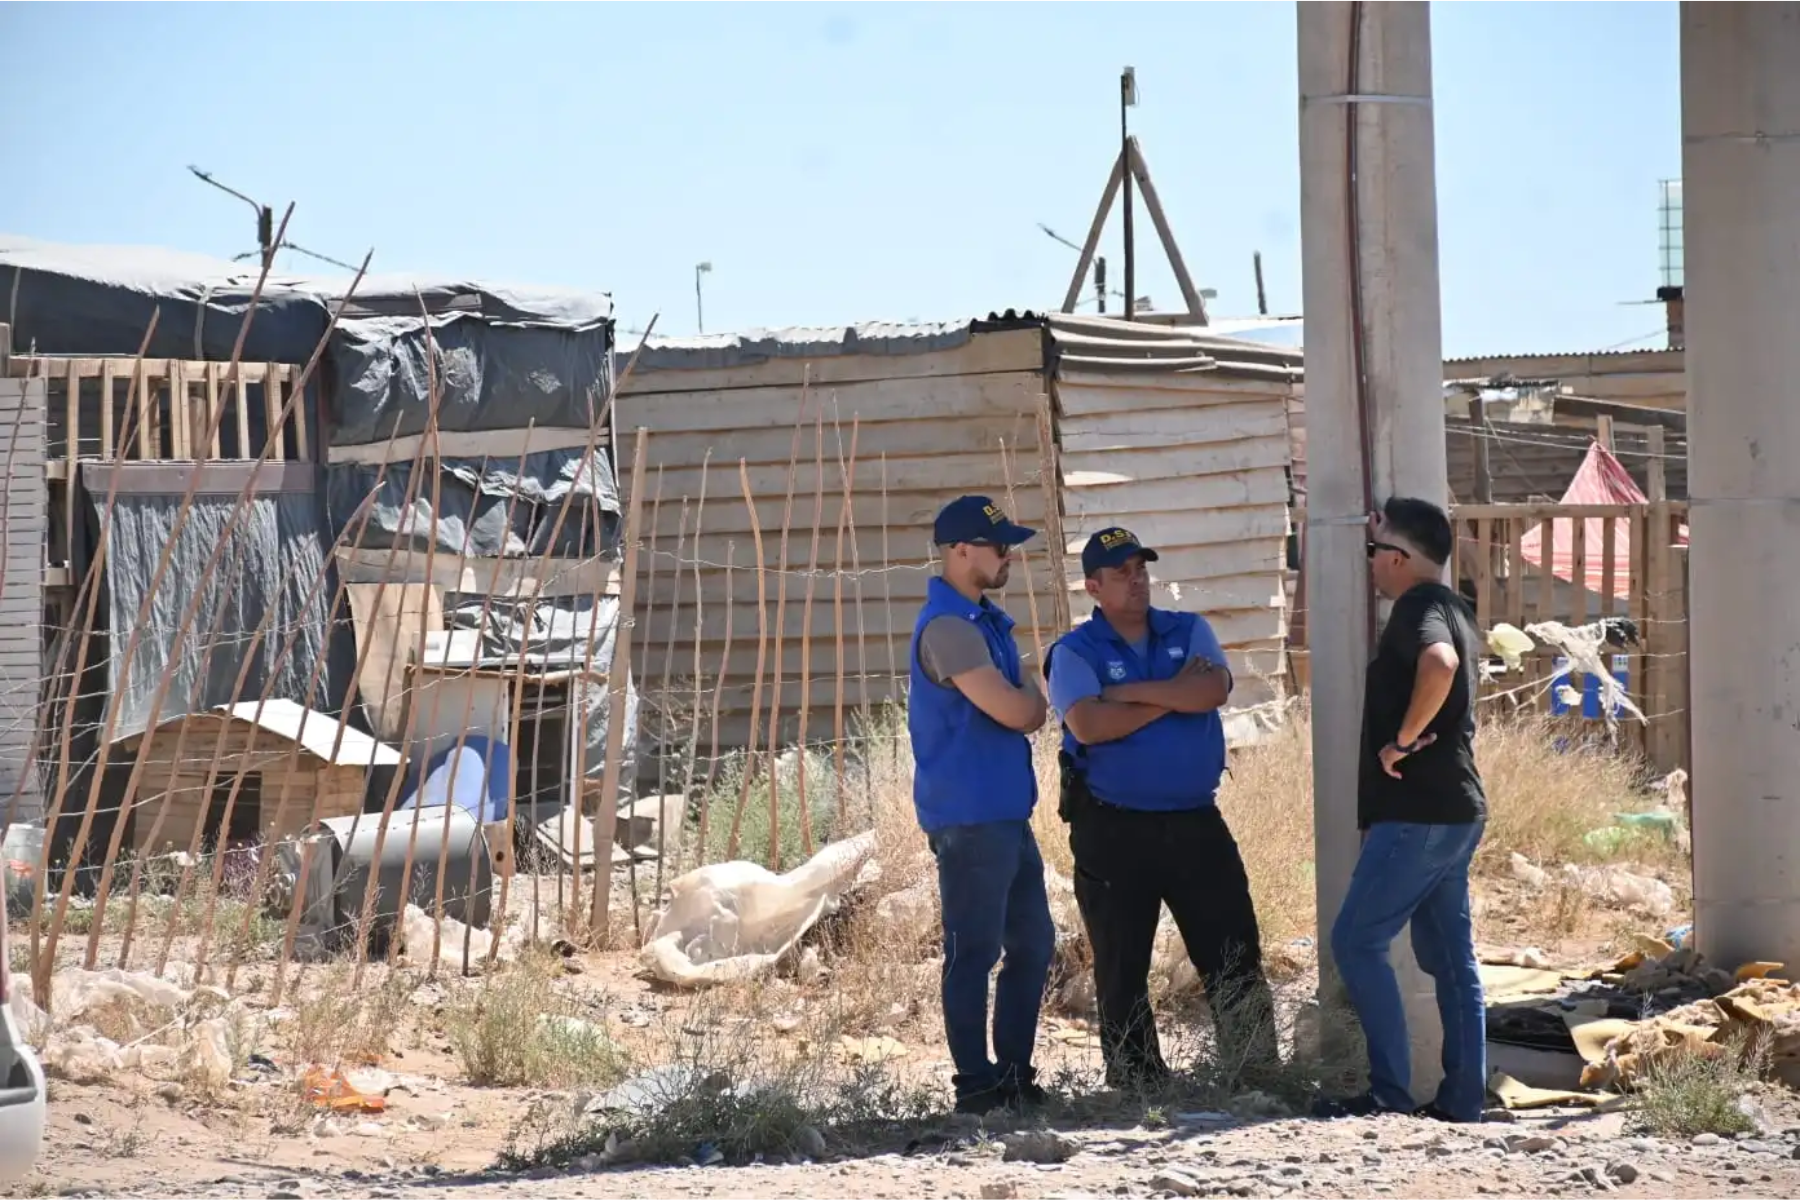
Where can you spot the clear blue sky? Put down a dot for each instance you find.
(834, 162)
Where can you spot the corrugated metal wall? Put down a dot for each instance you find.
(938, 418)
(1184, 440)
(22, 515)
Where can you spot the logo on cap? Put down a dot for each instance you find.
(994, 515)
(1112, 539)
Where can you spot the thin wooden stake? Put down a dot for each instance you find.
(618, 676)
(812, 576)
(781, 589)
(846, 477)
(762, 656)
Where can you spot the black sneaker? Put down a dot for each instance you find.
(1365, 1105)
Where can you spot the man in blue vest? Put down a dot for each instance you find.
(971, 711)
(1139, 690)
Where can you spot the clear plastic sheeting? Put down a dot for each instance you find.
(735, 920)
(570, 635)
(472, 497)
(262, 581)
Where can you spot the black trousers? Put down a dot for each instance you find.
(1128, 864)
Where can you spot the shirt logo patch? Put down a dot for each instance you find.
(1115, 671)
(1177, 651)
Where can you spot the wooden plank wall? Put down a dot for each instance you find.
(1534, 463)
(181, 785)
(22, 523)
(927, 427)
(1194, 463)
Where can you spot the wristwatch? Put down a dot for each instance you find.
(1408, 747)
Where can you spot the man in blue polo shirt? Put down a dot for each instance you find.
(970, 712)
(1139, 690)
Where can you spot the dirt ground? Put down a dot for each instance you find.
(439, 1137)
(103, 1143)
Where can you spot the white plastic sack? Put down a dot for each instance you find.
(734, 920)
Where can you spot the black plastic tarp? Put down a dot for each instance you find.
(259, 604)
(473, 497)
(506, 357)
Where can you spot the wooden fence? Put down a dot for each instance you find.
(1522, 564)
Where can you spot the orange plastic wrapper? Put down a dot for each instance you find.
(330, 1090)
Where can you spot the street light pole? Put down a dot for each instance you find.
(700, 269)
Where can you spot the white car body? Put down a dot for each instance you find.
(22, 1091)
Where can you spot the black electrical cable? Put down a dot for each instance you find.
(1353, 217)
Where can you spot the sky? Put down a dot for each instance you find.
(834, 163)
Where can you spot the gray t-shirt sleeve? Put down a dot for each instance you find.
(949, 647)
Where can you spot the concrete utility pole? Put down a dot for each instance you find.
(1740, 126)
(1374, 393)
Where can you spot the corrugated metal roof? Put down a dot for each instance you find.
(1096, 343)
(717, 351)
(315, 731)
(1569, 354)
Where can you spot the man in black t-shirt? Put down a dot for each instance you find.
(1421, 808)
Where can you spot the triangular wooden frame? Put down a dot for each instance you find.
(1140, 171)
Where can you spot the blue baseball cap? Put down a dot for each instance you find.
(977, 519)
(1113, 547)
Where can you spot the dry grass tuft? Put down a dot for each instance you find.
(1688, 1094)
(518, 1029)
(336, 1026)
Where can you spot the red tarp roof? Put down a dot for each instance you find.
(1602, 479)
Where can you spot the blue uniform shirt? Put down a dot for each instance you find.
(968, 768)
(1175, 762)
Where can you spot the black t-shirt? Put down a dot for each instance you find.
(1438, 785)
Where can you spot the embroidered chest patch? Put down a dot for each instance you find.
(1115, 670)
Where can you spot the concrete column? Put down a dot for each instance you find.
(1740, 125)
(1401, 373)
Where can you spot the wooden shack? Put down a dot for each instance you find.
(1150, 427)
(295, 769)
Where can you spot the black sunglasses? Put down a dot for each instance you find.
(1375, 548)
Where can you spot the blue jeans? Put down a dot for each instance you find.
(1417, 873)
(991, 885)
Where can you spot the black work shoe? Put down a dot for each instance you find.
(1365, 1105)
(1021, 1089)
(983, 1102)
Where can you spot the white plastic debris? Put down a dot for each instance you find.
(734, 920)
(1527, 872)
(1587, 649)
(417, 927)
(1619, 886)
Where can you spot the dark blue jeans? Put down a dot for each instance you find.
(1417, 873)
(991, 885)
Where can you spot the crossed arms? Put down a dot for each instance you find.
(1123, 709)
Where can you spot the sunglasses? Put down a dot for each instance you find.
(1375, 548)
(1004, 551)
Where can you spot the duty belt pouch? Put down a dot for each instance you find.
(1073, 795)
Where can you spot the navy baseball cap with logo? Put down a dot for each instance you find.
(1113, 548)
(977, 519)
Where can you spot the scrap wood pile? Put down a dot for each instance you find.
(1693, 1007)
(1752, 1011)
